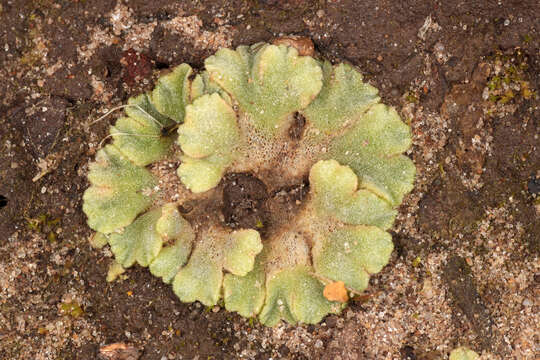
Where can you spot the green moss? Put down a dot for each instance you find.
(411, 98)
(511, 76)
(72, 309)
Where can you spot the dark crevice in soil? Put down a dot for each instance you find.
(297, 127)
(244, 202)
(533, 185)
(249, 203)
(162, 65)
(460, 281)
(407, 353)
(3, 201)
(186, 207)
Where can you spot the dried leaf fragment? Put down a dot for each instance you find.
(336, 291)
(303, 44)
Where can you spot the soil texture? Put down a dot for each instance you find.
(465, 270)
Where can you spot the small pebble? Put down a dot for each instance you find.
(533, 185)
(439, 47)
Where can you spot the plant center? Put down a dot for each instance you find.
(249, 204)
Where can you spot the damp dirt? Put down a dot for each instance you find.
(464, 75)
(244, 202)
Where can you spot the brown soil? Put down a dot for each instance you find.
(244, 202)
(465, 75)
(297, 128)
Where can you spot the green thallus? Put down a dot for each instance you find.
(288, 173)
(463, 353)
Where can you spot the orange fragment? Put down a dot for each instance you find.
(303, 45)
(336, 291)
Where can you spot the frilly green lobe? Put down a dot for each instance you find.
(246, 294)
(209, 128)
(343, 99)
(372, 148)
(139, 136)
(336, 194)
(241, 250)
(295, 296)
(208, 137)
(131, 137)
(111, 169)
(200, 175)
(201, 279)
(351, 254)
(160, 238)
(115, 196)
(140, 242)
(171, 94)
(269, 84)
(177, 233)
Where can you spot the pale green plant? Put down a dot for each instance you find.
(463, 353)
(238, 117)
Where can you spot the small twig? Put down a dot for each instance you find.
(125, 134)
(125, 106)
(40, 175)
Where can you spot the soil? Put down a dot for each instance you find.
(297, 128)
(464, 75)
(244, 202)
